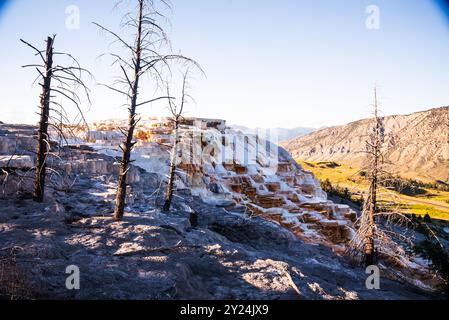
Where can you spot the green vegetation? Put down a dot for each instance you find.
(408, 195)
(431, 249)
(342, 192)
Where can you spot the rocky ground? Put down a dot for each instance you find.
(198, 251)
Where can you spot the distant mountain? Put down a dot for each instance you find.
(418, 144)
(283, 134)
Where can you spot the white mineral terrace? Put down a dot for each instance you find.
(224, 166)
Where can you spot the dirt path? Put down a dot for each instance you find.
(438, 205)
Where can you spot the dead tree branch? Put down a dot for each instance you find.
(144, 57)
(69, 79)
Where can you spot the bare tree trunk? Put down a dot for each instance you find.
(129, 144)
(372, 198)
(176, 112)
(171, 177)
(369, 240)
(66, 78)
(145, 58)
(372, 238)
(43, 140)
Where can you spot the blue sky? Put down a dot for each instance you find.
(279, 63)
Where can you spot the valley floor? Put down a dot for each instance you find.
(434, 203)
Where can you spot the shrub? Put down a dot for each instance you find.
(432, 250)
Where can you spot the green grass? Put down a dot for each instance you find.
(435, 203)
(422, 210)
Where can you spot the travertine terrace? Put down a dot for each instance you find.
(258, 206)
(227, 167)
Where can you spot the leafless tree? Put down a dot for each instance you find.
(176, 116)
(145, 57)
(372, 235)
(373, 148)
(58, 82)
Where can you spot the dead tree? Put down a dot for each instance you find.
(373, 148)
(374, 238)
(365, 239)
(145, 57)
(176, 117)
(57, 81)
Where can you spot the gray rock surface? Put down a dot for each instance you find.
(151, 255)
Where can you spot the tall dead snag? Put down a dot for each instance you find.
(370, 203)
(364, 241)
(57, 81)
(176, 116)
(145, 57)
(39, 181)
(374, 237)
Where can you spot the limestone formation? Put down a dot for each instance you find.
(219, 163)
(228, 237)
